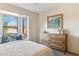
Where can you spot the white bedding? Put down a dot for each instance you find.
(24, 48)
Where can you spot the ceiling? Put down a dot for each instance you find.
(37, 7)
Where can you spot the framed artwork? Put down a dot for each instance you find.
(55, 21)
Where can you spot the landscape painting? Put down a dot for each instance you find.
(55, 21)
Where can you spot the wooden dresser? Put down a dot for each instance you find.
(58, 41)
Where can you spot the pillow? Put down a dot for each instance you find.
(19, 37)
(24, 36)
(5, 39)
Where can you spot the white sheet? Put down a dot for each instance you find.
(24, 48)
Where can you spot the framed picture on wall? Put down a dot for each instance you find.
(55, 21)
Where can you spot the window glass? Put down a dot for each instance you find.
(10, 26)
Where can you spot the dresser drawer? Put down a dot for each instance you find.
(57, 36)
(57, 43)
(57, 47)
(57, 39)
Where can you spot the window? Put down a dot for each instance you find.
(14, 26)
(26, 26)
(10, 26)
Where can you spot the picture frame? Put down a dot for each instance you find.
(55, 21)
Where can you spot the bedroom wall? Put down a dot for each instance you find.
(71, 24)
(32, 16)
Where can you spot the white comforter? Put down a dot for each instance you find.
(24, 48)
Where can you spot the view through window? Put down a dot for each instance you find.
(26, 27)
(12, 26)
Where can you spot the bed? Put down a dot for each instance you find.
(24, 48)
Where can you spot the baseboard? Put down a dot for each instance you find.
(73, 53)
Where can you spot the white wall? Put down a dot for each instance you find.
(32, 16)
(70, 23)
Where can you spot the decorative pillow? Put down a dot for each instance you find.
(0, 38)
(24, 36)
(19, 37)
(5, 39)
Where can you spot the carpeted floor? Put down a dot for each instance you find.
(60, 53)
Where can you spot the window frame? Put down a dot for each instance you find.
(9, 26)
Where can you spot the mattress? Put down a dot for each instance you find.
(24, 48)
